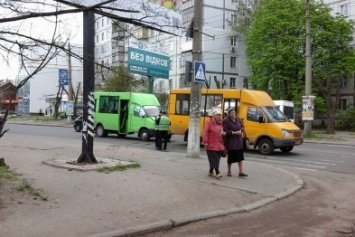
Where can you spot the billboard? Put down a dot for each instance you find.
(148, 63)
(148, 12)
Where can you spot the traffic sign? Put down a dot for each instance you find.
(199, 71)
(63, 77)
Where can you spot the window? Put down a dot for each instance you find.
(109, 104)
(182, 104)
(234, 41)
(139, 111)
(344, 9)
(343, 104)
(208, 103)
(183, 81)
(245, 83)
(232, 83)
(102, 35)
(233, 62)
(233, 17)
(97, 25)
(230, 103)
(253, 114)
(102, 22)
(97, 38)
(344, 82)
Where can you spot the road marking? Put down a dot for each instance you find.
(292, 164)
(306, 169)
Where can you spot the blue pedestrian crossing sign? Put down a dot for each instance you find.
(199, 71)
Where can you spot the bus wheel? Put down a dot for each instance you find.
(265, 147)
(100, 131)
(144, 135)
(286, 149)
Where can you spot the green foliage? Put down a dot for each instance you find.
(346, 119)
(163, 99)
(117, 168)
(7, 174)
(121, 81)
(275, 45)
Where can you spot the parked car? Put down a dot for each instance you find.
(10, 113)
(78, 123)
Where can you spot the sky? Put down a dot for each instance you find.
(43, 29)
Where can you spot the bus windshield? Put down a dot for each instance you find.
(274, 114)
(151, 111)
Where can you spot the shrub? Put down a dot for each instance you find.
(346, 119)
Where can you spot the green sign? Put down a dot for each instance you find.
(148, 63)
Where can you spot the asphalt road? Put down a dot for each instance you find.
(309, 157)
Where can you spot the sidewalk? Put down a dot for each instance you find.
(168, 190)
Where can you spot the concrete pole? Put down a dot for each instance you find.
(308, 55)
(70, 81)
(193, 147)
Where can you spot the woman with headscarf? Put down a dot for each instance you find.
(233, 126)
(212, 139)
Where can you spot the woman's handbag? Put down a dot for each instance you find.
(224, 152)
(245, 140)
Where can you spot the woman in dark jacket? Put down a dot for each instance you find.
(233, 126)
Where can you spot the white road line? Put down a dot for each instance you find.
(293, 164)
(306, 169)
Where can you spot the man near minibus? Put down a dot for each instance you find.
(162, 123)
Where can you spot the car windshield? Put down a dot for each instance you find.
(274, 114)
(151, 111)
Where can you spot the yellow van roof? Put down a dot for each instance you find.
(252, 97)
(255, 97)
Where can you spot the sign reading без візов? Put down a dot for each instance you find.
(147, 63)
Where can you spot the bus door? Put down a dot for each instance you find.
(108, 114)
(123, 118)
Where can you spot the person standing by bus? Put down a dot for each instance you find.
(233, 126)
(162, 123)
(212, 139)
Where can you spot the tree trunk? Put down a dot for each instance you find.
(330, 122)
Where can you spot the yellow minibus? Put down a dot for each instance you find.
(266, 127)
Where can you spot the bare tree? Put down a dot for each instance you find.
(17, 41)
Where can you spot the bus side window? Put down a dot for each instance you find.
(252, 114)
(182, 104)
(136, 111)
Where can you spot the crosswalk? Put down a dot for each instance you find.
(296, 163)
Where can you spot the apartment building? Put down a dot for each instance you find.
(347, 88)
(224, 55)
(40, 92)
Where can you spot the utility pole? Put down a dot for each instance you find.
(308, 55)
(193, 146)
(70, 81)
(87, 154)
